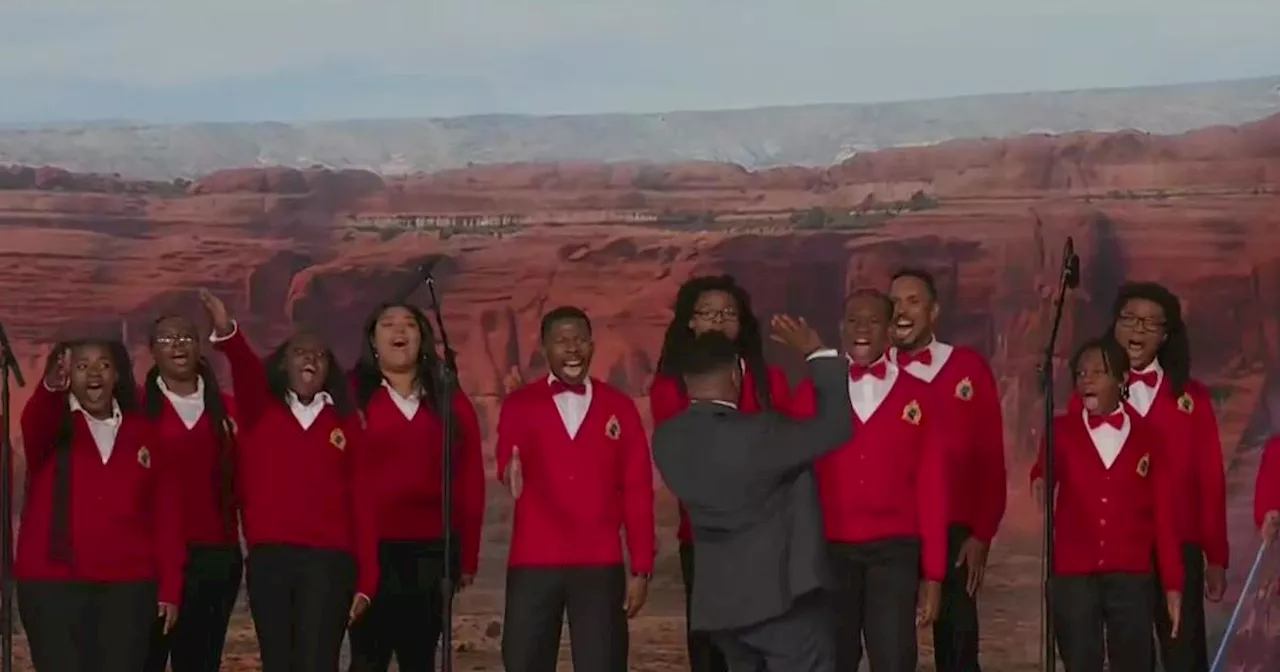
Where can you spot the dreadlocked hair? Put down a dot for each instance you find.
(124, 394)
(1174, 353)
(749, 342)
(219, 423)
(335, 383)
(367, 375)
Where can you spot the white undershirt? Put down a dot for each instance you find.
(189, 407)
(573, 407)
(1143, 396)
(1107, 440)
(940, 352)
(408, 405)
(103, 431)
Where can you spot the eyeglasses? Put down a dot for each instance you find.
(1144, 323)
(723, 315)
(170, 341)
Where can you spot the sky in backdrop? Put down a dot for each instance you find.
(300, 60)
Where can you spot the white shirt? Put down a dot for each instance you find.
(868, 392)
(306, 414)
(408, 405)
(1141, 395)
(188, 407)
(572, 407)
(103, 431)
(937, 349)
(1107, 440)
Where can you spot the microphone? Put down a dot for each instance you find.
(9, 360)
(421, 276)
(1070, 265)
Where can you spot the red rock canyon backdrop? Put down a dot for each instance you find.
(1199, 211)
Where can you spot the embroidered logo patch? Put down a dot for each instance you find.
(338, 439)
(1144, 465)
(1186, 404)
(911, 413)
(613, 430)
(964, 390)
(232, 427)
(144, 457)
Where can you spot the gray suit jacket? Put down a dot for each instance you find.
(747, 483)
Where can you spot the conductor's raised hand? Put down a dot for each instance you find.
(515, 474)
(216, 310)
(57, 370)
(796, 334)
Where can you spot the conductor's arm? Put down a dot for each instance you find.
(785, 443)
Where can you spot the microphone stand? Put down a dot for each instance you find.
(1069, 279)
(446, 384)
(8, 366)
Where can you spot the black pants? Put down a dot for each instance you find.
(209, 593)
(1103, 619)
(955, 633)
(406, 619)
(76, 626)
(1190, 651)
(704, 655)
(536, 601)
(300, 599)
(875, 600)
(801, 640)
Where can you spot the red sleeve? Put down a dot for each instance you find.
(779, 390)
(1266, 490)
(41, 420)
(170, 541)
(804, 403)
(991, 493)
(637, 491)
(468, 513)
(364, 508)
(931, 494)
(1213, 479)
(509, 436)
(248, 376)
(665, 400)
(1168, 546)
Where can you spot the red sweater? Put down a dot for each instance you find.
(890, 480)
(978, 480)
(1193, 458)
(301, 487)
(1109, 520)
(125, 517)
(667, 400)
(196, 458)
(1266, 491)
(578, 492)
(406, 469)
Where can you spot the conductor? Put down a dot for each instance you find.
(748, 485)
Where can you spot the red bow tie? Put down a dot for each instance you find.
(1148, 378)
(1116, 420)
(558, 386)
(877, 370)
(924, 357)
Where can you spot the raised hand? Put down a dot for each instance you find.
(216, 310)
(796, 334)
(57, 370)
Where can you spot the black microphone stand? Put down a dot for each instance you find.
(446, 384)
(1069, 279)
(8, 366)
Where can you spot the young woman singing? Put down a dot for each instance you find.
(100, 553)
(308, 510)
(394, 383)
(191, 416)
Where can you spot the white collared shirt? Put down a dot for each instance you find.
(1107, 440)
(867, 393)
(103, 431)
(940, 352)
(1143, 396)
(572, 407)
(408, 405)
(307, 413)
(188, 407)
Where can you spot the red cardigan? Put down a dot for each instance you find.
(1110, 520)
(890, 480)
(406, 465)
(1194, 461)
(301, 487)
(125, 515)
(578, 492)
(1266, 490)
(667, 400)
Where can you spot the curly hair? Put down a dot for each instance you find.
(1175, 352)
(367, 375)
(219, 423)
(124, 394)
(335, 383)
(1114, 358)
(750, 341)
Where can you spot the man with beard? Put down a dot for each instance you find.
(1147, 323)
(960, 377)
